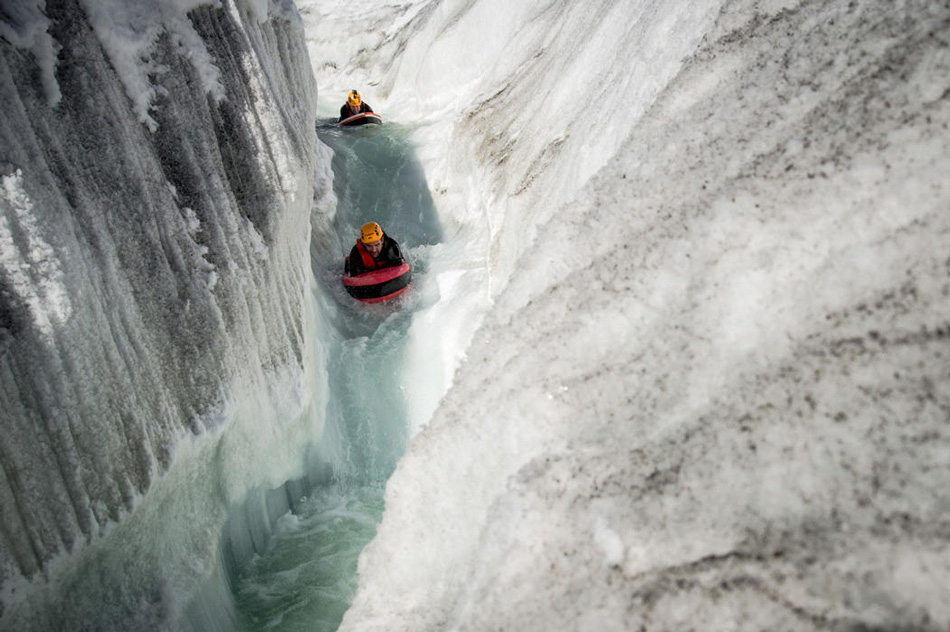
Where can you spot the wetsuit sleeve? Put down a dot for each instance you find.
(344, 113)
(365, 107)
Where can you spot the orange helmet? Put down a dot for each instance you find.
(354, 98)
(370, 232)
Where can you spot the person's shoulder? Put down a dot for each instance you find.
(393, 253)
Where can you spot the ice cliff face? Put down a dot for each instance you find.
(158, 167)
(712, 392)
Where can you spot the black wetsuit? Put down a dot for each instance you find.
(389, 256)
(346, 113)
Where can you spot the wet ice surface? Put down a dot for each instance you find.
(155, 317)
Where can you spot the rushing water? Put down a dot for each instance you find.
(304, 577)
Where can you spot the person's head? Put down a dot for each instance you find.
(372, 237)
(354, 100)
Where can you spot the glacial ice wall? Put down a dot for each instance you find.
(158, 165)
(711, 390)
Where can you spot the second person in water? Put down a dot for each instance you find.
(373, 250)
(354, 105)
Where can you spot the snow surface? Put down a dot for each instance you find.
(710, 390)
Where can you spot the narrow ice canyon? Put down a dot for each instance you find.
(675, 355)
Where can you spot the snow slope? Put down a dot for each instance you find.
(712, 387)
